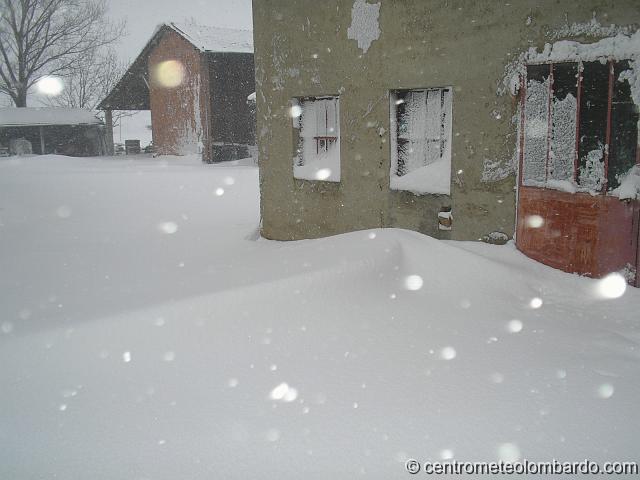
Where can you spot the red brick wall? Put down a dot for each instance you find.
(590, 235)
(178, 114)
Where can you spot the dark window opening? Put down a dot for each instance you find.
(594, 103)
(403, 129)
(624, 128)
(565, 80)
(580, 126)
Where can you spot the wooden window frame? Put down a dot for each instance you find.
(576, 166)
(322, 142)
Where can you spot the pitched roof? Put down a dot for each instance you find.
(215, 39)
(32, 116)
(132, 90)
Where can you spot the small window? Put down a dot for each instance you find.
(316, 123)
(421, 140)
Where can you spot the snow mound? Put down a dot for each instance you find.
(175, 351)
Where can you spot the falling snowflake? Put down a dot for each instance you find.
(413, 282)
(168, 227)
(448, 353)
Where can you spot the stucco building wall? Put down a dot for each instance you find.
(302, 49)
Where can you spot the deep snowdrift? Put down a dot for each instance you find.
(147, 334)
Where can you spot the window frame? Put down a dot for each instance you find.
(446, 127)
(611, 64)
(298, 145)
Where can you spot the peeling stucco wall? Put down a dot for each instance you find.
(304, 48)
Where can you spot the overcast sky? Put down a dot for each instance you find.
(144, 15)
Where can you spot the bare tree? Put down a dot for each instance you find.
(89, 80)
(48, 37)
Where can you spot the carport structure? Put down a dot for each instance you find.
(66, 131)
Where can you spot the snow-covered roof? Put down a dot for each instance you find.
(132, 91)
(13, 117)
(215, 39)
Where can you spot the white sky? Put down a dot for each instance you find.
(143, 16)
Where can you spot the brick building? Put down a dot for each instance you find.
(195, 80)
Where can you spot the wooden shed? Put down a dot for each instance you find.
(66, 131)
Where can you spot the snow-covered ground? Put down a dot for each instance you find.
(147, 333)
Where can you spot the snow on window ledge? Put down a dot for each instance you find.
(618, 47)
(325, 167)
(629, 188)
(430, 179)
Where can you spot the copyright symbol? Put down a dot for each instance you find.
(412, 466)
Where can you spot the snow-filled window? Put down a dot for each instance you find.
(580, 126)
(536, 124)
(316, 123)
(421, 140)
(564, 108)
